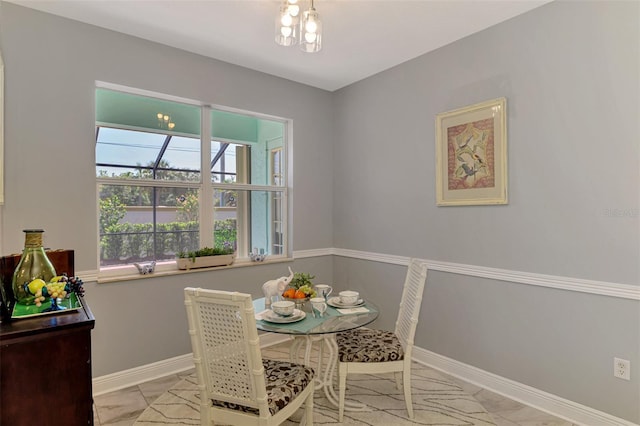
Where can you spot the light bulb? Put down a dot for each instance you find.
(293, 10)
(286, 20)
(310, 37)
(286, 31)
(159, 116)
(171, 125)
(311, 26)
(166, 118)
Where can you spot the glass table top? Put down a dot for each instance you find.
(333, 321)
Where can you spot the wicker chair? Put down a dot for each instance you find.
(237, 386)
(367, 351)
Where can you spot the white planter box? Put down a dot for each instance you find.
(205, 261)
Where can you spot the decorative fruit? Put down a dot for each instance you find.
(290, 293)
(36, 285)
(308, 291)
(299, 294)
(59, 287)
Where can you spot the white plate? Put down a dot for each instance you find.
(271, 316)
(336, 303)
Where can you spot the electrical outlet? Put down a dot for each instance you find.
(622, 368)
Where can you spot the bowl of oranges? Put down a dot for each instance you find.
(300, 288)
(296, 295)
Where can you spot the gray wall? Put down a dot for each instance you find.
(51, 65)
(570, 73)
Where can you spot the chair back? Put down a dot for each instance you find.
(226, 348)
(410, 304)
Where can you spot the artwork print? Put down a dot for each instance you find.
(471, 155)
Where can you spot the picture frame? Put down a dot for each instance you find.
(471, 155)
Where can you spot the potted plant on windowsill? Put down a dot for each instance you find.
(205, 258)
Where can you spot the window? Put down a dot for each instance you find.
(277, 175)
(164, 188)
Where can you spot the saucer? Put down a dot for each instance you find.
(336, 303)
(271, 316)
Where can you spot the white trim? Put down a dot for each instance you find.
(270, 339)
(602, 288)
(374, 257)
(130, 273)
(549, 403)
(623, 291)
(88, 276)
(552, 404)
(144, 373)
(301, 254)
(147, 93)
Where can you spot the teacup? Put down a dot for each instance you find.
(319, 306)
(284, 308)
(349, 297)
(323, 290)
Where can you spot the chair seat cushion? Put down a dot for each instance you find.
(284, 381)
(366, 345)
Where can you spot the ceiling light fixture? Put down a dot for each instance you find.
(289, 28)
(164, 121)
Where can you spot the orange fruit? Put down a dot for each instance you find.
(290, 293)
(299, 294)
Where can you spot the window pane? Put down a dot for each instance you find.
(139, 224)
(132, 154)
(121, 153)
(224, 164)
(252, 219)
(248, 160)
(277, 222)
(225, 223)
(277, 173)
(181, 159)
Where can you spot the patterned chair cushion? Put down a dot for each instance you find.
(366, 345)
(284, 381)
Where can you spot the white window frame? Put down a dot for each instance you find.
(205, 188)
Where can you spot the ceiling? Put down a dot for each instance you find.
(360, 37)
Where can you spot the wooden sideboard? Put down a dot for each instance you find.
(45, 369)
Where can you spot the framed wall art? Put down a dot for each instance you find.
(471, 155)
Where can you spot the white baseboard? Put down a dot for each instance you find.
(549, 403)
(144, 373)
(133, 376)
(552, 404)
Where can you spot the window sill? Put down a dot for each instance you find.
(169, 272)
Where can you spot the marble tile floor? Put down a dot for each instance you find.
(122, 407)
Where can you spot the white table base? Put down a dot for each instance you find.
(324, 376)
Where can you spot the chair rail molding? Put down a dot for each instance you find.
(301, 254)
(624, 291)
(602, 288)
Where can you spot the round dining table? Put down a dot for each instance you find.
(315, 328)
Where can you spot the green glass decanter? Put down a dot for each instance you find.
(33, 264)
